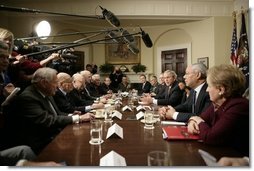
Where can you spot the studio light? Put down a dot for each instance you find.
(43, 29)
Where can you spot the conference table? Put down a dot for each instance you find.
(72, 145)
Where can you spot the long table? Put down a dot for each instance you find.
(72, 145)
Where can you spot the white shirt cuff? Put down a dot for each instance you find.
(175, 115)
(155, 101)
(88, 108)
(21, 162)
(75, 118)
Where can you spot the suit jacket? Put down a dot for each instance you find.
(76, 98)
(104, 89)
(228, 125)
(34, 122)
(172, 98)
(146, 88)
(66, 104)
(185, 109)
(88, 97)
(160, 94)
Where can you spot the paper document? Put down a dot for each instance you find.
(112, 159)
(172, 123)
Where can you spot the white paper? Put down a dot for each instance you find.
(140, 115)
(139, 107)
(118, 102)
(117, 114)
(112, 159)
(208, 158)
(115, 129)
(172, 123)
(126, 107)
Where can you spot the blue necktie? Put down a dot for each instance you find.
(193, 101)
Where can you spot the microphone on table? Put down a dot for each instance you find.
(146, 39)
(110, 17)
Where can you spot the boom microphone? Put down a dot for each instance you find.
(132, 48)
(110, 17)
(114, 37)
(127, 37)
(68, 56)
(146, 39)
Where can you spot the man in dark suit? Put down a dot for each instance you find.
(38, 119)
(172, 95)
(198, 100)
(145, 85)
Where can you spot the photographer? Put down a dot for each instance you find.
(21, 68)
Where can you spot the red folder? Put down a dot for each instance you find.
(178, 133)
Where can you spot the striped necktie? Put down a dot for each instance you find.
(193, 101)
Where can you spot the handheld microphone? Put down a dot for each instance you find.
(146, 39)
(110, 17)
(132, 48)
(127, 37)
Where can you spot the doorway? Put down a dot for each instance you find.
(175, 60)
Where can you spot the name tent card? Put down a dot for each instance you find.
(115, 130)
(139, 108)
(126, 107)
(117, 114)
(112, 159)
(140, 115)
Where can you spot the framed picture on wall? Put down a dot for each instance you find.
(119, 53)
(204, 60)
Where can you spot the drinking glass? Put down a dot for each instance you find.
(108, 114)
(96, 132)
(149, 121)
(158, 158)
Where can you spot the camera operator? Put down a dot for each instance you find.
(21, 69)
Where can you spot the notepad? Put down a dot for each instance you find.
(178, 133)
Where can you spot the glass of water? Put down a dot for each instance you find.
(149, 120)
(96, 132)
(158, 158)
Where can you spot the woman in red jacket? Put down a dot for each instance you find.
(226, 121)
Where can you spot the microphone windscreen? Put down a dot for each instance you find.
(127, 37)
(133, 49)
(110, 17)
(114, 37)
(147, 40)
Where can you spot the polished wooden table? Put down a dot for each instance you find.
(72, 145)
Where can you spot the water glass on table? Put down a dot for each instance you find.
(149, 120)
(108, 114)
(158, 158)
(95, 132)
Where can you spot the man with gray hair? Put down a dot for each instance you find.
(38, 118)
(198, 100)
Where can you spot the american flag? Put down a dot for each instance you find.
(234, 45)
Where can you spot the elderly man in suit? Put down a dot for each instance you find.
(38, 119)
(198, 100)
(172, 94)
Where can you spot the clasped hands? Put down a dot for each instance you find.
(166, 112)
(193, 123)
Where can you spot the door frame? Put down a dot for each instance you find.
(173, 47)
